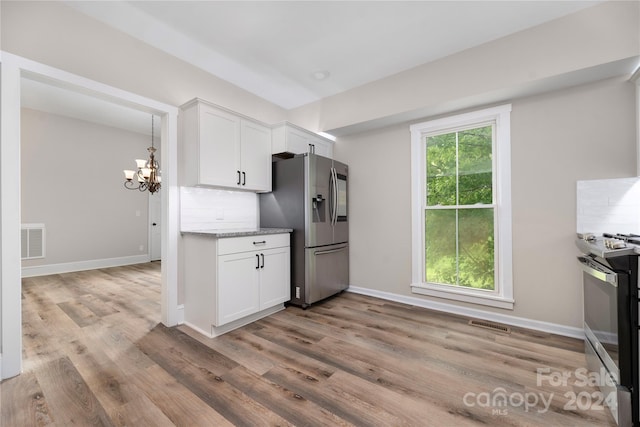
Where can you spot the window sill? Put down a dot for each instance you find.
(462, 295)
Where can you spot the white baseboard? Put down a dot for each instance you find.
(216, 331)
(44, 270)
(537, 325)
(180, 314)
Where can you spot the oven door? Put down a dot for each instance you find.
(606, 305)
(601, 312)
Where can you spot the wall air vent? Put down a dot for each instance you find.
(32, 239)
(490, 325)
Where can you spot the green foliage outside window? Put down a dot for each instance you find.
(459, 232)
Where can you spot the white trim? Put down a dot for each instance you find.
(461, 294)
(10, 288)
(216, 331)
(180, 314)
(13, 68)
(502, 297)
(68, 267)
(636, 78)
(522, 322)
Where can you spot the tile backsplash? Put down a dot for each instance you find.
(212, 209)
(608, 205)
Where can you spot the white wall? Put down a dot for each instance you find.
(72, 181)
(586, 132)
(547, 160)
(594, 43)
(55, 34)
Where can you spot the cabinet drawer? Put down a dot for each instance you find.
(232, 245)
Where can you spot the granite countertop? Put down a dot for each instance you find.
(239, 233)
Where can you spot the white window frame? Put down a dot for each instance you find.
(502, 295)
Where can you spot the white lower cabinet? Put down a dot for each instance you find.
(232, 281)
(252, 281)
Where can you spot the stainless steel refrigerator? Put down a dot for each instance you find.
(310, 196)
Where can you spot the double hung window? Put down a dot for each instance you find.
(461, 207)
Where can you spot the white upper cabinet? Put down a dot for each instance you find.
(289, 138)
(223, 149)
(255, 154)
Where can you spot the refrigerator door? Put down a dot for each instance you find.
(327, 271)
(341, 214)
(318, 227)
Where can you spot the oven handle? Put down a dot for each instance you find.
(600, 272)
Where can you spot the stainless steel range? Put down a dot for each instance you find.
(610, 280)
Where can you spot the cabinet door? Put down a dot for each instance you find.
(275, 277)
(219, 147)
(323, 148)
(238, 292)
(297, 141)
(255, 156)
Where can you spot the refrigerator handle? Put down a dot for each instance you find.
(335, 192)
(331, 196)
(334, 196)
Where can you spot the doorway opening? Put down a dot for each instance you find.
(13, 70)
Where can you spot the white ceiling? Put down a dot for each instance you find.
(272, 49)
(64, 102)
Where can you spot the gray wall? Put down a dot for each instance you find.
(72, 181)
(587, 132)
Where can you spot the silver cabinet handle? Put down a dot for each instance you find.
(262, 242)
(257, 261)
(262, 256)
(598, 271)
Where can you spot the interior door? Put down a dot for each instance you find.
(318, 181)
(155, 215)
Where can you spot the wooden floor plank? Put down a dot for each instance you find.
(175, 400)
(289, 405)
(95, 354)
(31, 411)
(73, 402)
(206, 380)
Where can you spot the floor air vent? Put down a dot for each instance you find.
(490, 325)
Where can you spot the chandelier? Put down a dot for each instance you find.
(147, 177)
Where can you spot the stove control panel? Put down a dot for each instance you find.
(612, 243)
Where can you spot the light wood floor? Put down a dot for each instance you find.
(95, 354)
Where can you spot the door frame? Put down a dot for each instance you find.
(12, 69)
